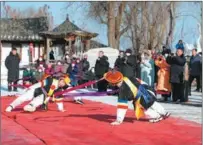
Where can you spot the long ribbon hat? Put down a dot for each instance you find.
(113, 77)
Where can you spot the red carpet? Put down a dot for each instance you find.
(89, 125)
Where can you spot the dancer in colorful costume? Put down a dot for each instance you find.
(40, 93)
(142, 95)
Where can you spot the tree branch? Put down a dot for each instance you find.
(123, 31)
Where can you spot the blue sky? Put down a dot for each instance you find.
(78, 16)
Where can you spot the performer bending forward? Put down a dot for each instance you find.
(143, 97)
(40, 93)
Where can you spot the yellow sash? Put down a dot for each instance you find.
(53, 87)
(139, 111)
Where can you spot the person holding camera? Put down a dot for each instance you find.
(129, 64)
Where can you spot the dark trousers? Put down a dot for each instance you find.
(191, 78)
(12, 83)
(166, 96)
(178, 92)
(186, 90)
(102, 85)
(201, 82)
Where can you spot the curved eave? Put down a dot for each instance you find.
(21, 38)
(83, 34)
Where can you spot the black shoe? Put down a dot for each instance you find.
(166, 115)
(79, 102)
(44, 107)
(197, 90)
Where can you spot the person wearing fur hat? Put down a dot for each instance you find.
(40, 93)
(142, 95)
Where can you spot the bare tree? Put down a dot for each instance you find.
(30, 12)
(110, 14)
(148, 24)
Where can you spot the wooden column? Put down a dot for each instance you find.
(88, 45)
(70, 44)
(47, 49)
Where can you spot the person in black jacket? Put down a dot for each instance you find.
(12, 64)
(119, 61)
(101, 67)
(51, 55)
(195, 69)
(83, 69)
(129, 65)
(176, 75)
(137, 67)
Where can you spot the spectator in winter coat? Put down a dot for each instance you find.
(74, 77)
(101, 67)
(186, 79)
(85, 64)
(195, 69)
(40, 61)
(129, 64)
(152, 72)
(163, 83)
(176, 75)
(180, 45)
(137, 68)
(83, 69)
(51, 56)
(200, 54)
(119, 61)
(49, 69)
(146, 68)
(73, 73)
(39, 74)
(12, 64)
(28, 76)
(59, 67)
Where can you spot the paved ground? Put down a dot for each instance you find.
(191, 111)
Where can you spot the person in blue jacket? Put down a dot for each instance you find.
(74, 78)
(180, 45)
